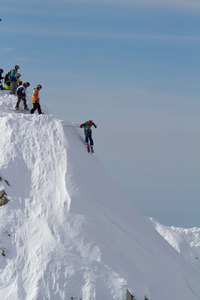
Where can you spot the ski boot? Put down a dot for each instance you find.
(92, 150)
(88, 148)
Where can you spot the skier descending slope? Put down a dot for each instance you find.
(88, 134)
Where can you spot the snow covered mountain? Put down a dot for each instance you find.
(67, 232)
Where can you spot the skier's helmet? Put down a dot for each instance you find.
(27, 84)
(17, 67)
(39, 87)
(90, 122)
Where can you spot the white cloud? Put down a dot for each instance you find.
(7, 49)
(172, 3)
(166, 2)
(101, 35)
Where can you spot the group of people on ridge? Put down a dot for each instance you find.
(11, 79)
(13, 83)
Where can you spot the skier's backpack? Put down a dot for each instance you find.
(19, 91)
(1, 71)
(7, 78)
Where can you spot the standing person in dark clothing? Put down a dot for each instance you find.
(1, 85)
(14, 80)
(36, 100)
(21, 95)
(7, 81)
(88, 134)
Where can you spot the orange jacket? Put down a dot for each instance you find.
(35, 97)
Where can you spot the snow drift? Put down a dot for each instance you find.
(67, 231)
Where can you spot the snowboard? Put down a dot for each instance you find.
(23, 111)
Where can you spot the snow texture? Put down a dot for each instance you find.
(68, 232)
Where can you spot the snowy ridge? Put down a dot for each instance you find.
(186, 241)
(67, 231)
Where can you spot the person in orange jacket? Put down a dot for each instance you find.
(36, 100)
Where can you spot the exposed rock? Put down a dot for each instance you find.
(3, 252)
(3, 199)
(2, 193)
(129, 296)
(6, 181)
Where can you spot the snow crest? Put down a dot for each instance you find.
(186, 241)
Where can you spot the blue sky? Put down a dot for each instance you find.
(132, 67)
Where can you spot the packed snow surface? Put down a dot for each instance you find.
(68, 232)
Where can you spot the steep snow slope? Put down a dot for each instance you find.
(67, 231)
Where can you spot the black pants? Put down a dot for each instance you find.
(18, 101)
(88, 137)
(36, 106)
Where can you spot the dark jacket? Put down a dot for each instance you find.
(87, 127)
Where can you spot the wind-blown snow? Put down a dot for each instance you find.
(186, 241)
(67, 230)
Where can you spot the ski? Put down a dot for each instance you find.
(88, 148)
